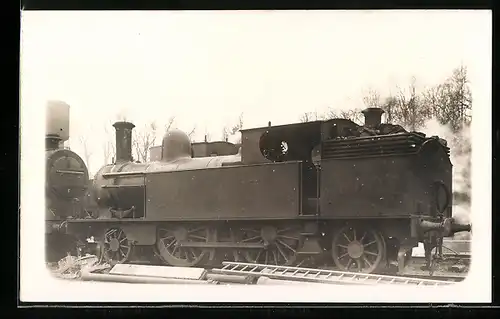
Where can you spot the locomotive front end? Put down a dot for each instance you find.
(118, 188)
(66, 181)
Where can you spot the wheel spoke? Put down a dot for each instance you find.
(249, 239)
(349, 263)
(348, 240)
(283, 230)
(288, 237)
(175, 255)
(281, 245)
(362, 237)
(286, 245)
(366, 261)
(171, 243)
(258, 255)
(109, 232)
(275, 256)
(370, 243)
(370, 253)
(281, 251)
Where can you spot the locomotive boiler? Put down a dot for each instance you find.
(362, 195)
(66, 180)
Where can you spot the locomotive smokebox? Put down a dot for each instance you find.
(373, 116)
(123, 141)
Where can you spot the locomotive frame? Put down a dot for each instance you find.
(362, 195)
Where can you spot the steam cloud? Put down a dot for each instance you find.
(460, 156)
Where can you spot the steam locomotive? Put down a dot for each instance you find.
(66, 182)
(363, 196)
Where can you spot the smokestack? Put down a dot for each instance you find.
(123, 141)
(52, 142)
(373, 116)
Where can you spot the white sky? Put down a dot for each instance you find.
(208, 67)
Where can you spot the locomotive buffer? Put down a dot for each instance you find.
(322, 276)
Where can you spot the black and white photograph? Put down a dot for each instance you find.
(255, 156)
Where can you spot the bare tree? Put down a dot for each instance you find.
(87, 151)
(372, 98)
(312, 116)
(451, 105)
(228, 131)
(225, 133)
(306, 117)
(354, 115)
(190, 134)
(169, 124)
(408, 108)
(108, 146)
(390, 107)
(451, 101)
(143, 139)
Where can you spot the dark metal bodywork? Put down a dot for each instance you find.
(267, 191)
(387, 176)
(66, 183)
(307, 173)
(356, 176)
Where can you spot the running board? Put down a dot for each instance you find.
(321, 276)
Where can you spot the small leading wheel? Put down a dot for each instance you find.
(115, 248)
(357, 249)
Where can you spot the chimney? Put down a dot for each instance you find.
(52, 142)
(123, 141)
(373, 116)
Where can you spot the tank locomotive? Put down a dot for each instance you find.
(65, 183)
(363, 196)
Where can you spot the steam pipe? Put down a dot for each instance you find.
(123, 141)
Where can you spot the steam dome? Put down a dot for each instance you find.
(176, 144)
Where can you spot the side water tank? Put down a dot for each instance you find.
(58, 119)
